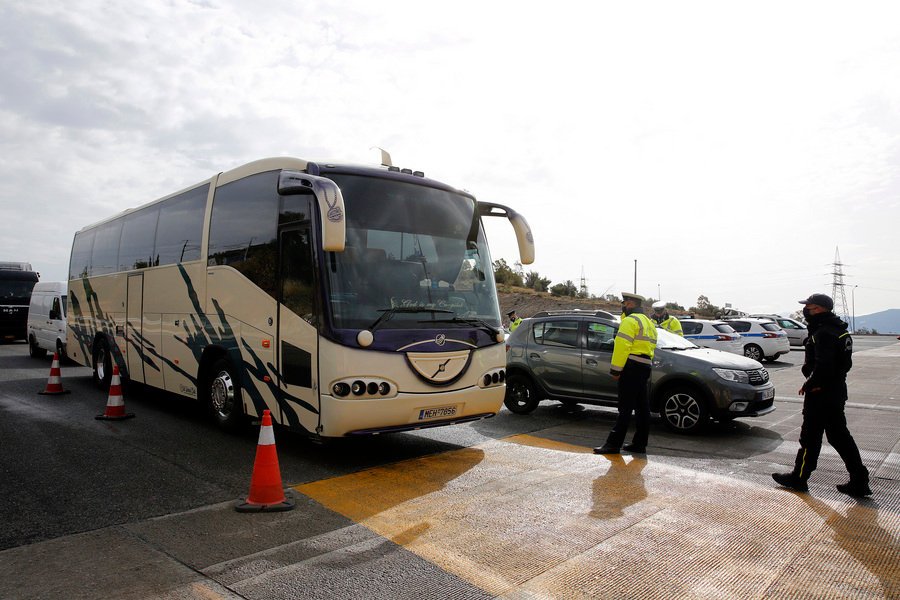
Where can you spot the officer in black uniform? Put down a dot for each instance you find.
(826, 363)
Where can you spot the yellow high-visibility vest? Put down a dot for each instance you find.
(514, 324)
(672, 324)
(636, 340)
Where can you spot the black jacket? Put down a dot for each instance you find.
(828, 354)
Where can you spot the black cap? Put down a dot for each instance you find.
(820, 300)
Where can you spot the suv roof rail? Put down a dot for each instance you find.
(574, 311)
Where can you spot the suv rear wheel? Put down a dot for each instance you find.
(684, 409)
(521, 395)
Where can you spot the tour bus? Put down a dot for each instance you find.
(17, 279)
(348, 300)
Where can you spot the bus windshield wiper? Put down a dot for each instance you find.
(388, 313)
(492, 331)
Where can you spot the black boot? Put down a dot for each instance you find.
(789, 480)
(857, 489)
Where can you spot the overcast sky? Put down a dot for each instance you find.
(728, 148)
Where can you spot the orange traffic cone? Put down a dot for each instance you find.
(115, 404)
(266, 491)
(54, 383)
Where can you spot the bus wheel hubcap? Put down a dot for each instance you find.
(222, 393)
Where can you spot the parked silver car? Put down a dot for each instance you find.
(566, 357)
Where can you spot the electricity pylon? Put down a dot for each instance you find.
(837, 287)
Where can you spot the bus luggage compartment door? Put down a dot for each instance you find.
(134, 319)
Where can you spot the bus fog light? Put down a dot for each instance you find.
(358, 388)
(340, 389)
(495, 378)
(384, 389)
(738, 406)
(372, 388)
(487, 379)
(502, 375)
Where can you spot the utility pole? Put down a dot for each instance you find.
(635, 276)
(583, 288)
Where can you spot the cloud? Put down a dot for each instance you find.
(728, 149)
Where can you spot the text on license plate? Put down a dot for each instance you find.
(433, 413)
(768, 394)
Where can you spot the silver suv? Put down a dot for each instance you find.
(566, 357)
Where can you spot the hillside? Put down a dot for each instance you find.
(527, 302)
(886, 321)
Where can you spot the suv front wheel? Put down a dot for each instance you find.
(684, 410)
(521, 395)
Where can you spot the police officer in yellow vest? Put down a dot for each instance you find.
(632, 361)
(514, 320)
(664, 321)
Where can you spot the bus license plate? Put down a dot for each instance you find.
(436, 413)
(768, 394)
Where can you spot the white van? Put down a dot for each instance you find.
(47, 319)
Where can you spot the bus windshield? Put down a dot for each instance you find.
(408, 247)
(15, 292)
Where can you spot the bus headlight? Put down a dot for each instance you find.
(340, 389)
(358, 388)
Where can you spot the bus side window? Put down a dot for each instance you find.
(243, 229)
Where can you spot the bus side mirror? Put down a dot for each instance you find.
(520, 226)
(328, 199)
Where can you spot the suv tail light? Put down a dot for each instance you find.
(770, 335)
(724, 338)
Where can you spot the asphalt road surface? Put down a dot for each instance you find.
(514, 506)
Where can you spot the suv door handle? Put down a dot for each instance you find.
(534, 356)
(591, 362)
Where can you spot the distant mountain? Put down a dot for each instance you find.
(886, 321)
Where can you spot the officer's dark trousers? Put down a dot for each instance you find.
(633, 397)
(824, 413)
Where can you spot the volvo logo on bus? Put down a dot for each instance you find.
(335, 215)
(440, 339)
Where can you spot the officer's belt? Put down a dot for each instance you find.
(641, 358)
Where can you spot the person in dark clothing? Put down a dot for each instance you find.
(827, 360)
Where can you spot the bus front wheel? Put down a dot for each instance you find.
(102, 365)
(224, 393)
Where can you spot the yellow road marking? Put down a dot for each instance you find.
(540, 517)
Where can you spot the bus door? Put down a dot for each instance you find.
(298, 336)
(134, 319)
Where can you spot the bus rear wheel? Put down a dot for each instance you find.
(224, 392)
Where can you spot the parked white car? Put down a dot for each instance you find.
(712, 334)
(795, 330)
(47, 319)
(763, 339)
